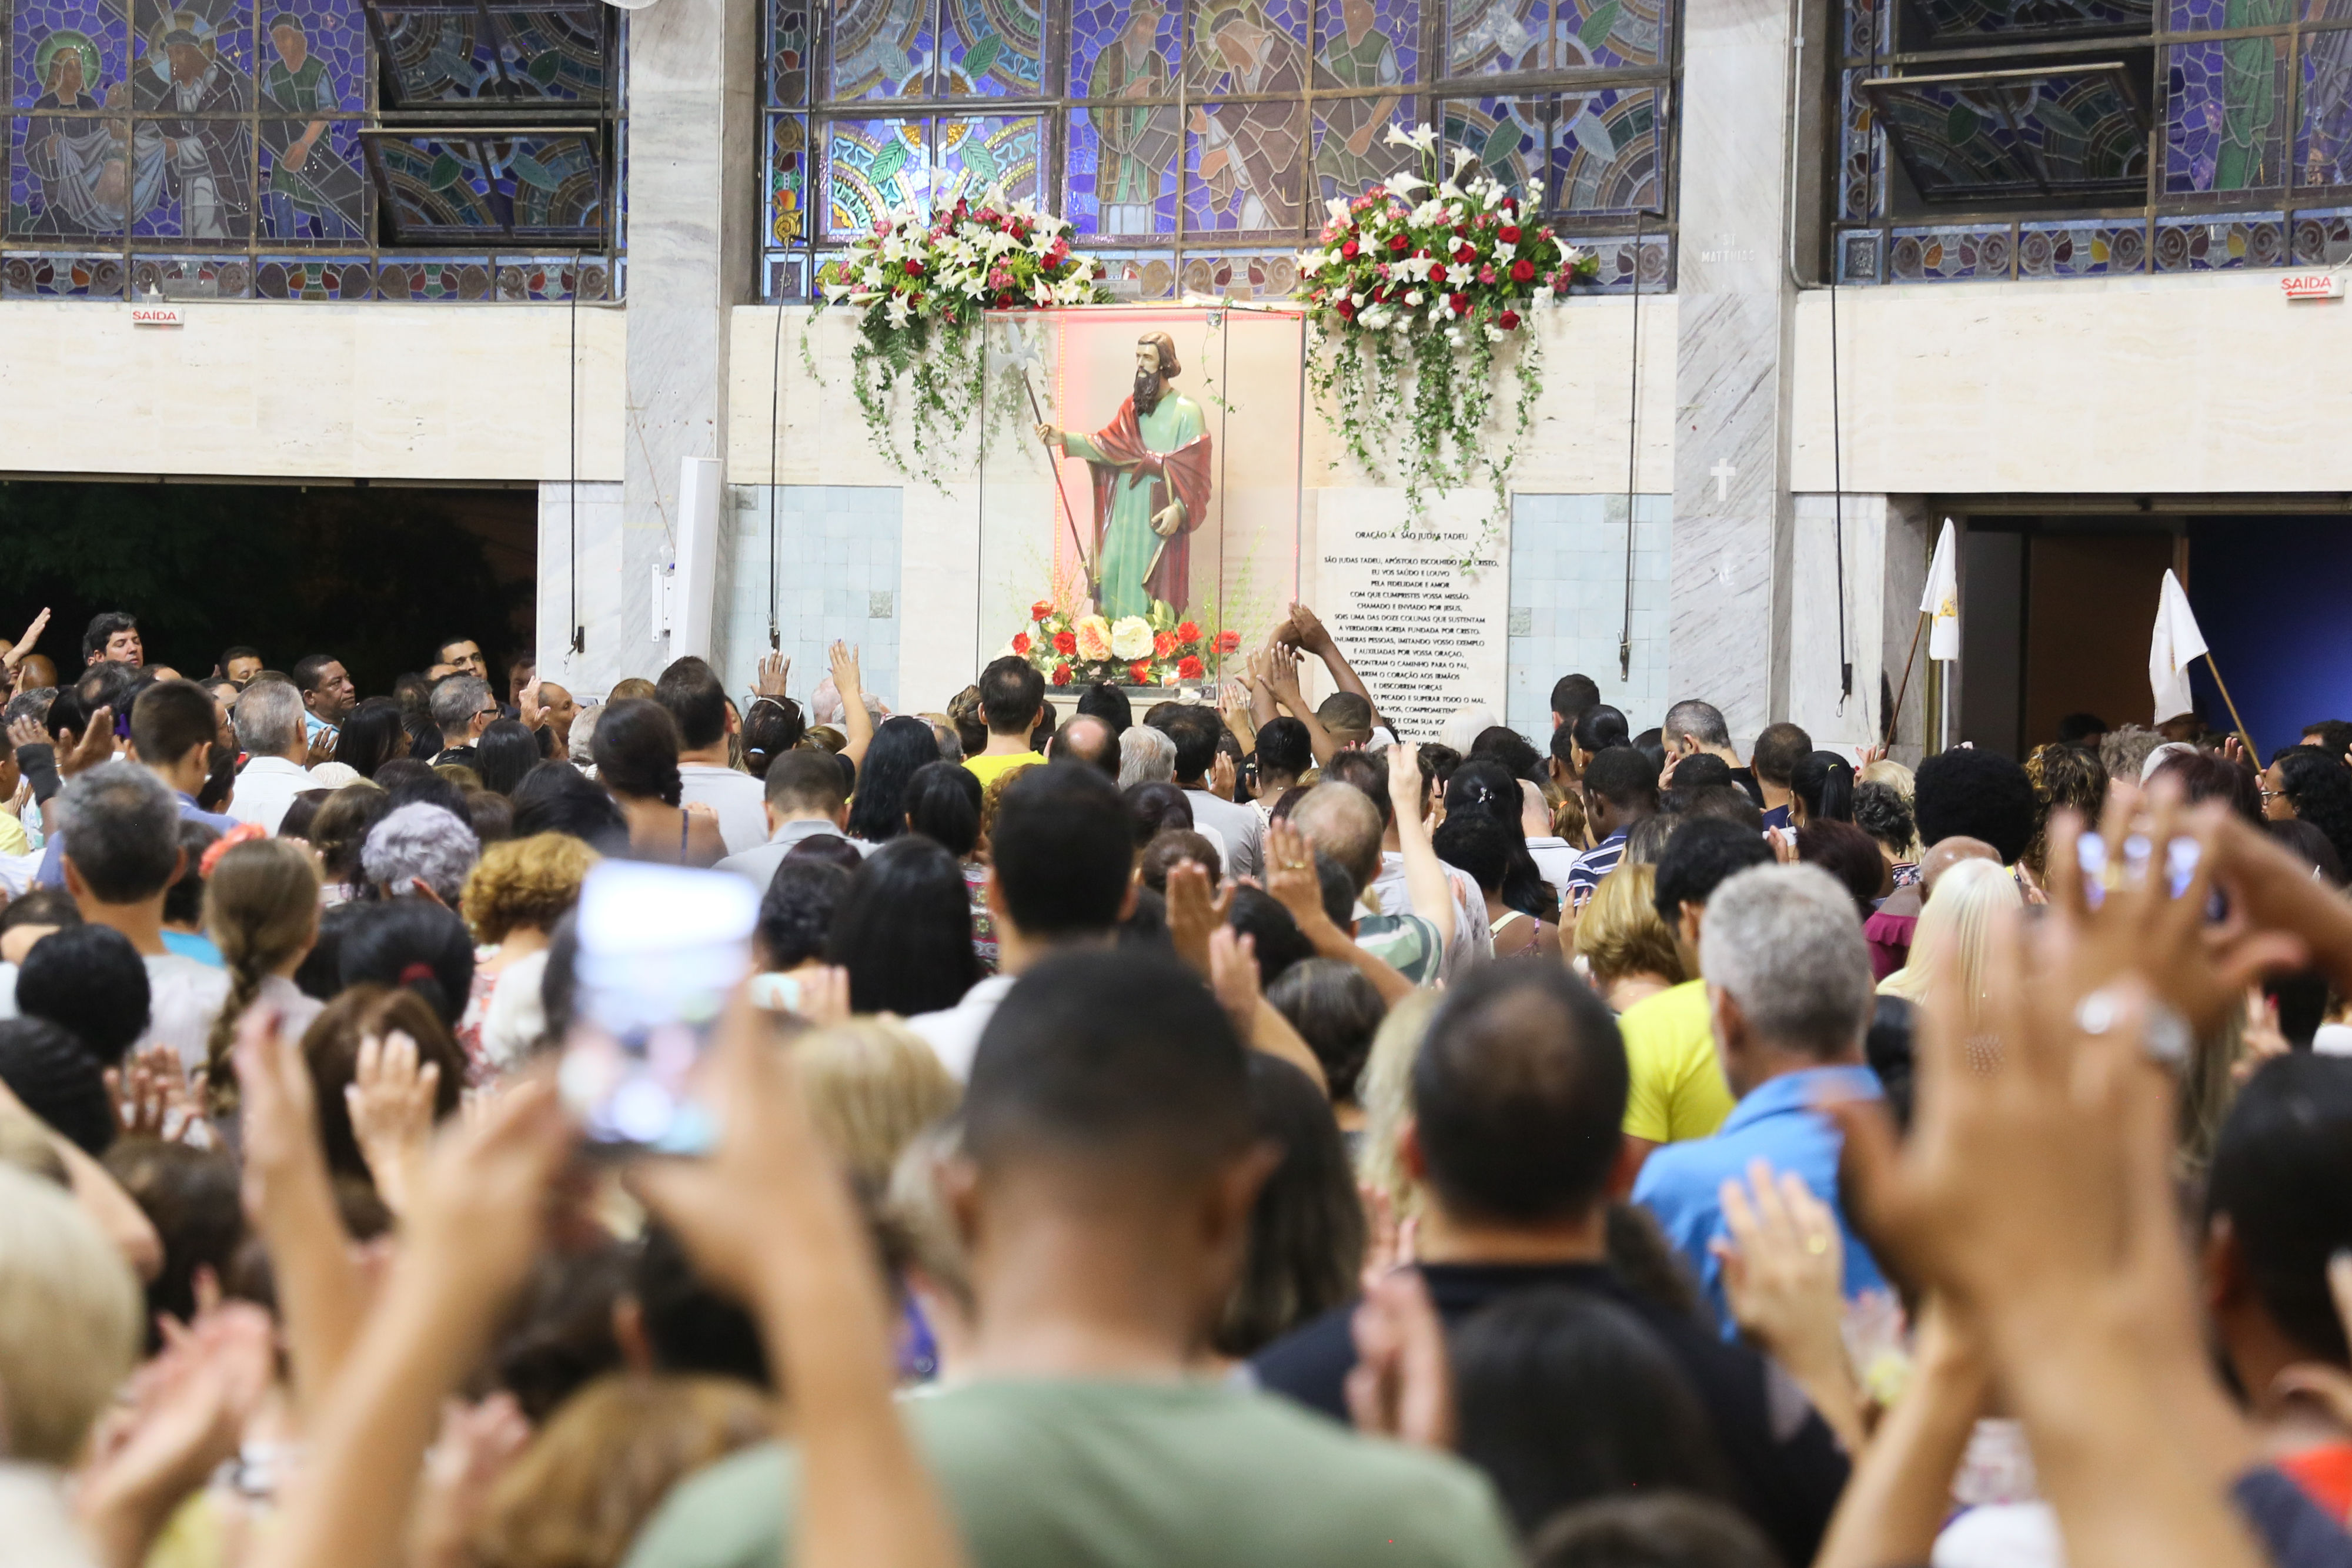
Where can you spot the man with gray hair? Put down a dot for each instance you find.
(1788, 994)
(420, 848)
(1692, 727)
(124, 853)
(1146, 756)
(270, 731)
(462, 708)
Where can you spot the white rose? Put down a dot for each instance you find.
(1131, 638)
(1413, 299)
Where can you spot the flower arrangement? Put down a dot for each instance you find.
(1431, 275)
(1072, 645)
(921, 282)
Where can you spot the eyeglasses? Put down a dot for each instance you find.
(492, 712)
(2269, 794)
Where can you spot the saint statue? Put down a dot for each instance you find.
(1152, 486)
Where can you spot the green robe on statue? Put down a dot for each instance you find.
(1127, 544)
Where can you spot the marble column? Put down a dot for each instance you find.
(693, 209)
(1733, 539)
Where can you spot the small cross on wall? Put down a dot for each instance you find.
(1721, 473)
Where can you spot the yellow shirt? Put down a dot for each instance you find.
(1678, 1092)
(987, 768)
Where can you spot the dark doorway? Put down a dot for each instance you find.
(372, 574)
(2055, 618)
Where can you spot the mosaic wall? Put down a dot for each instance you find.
(412, 150)
(2189, 136)
(1196, 146)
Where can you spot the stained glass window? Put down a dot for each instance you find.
(186, 147)
(2159, 124)
(1197, 143)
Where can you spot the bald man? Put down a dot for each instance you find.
(1889, 930)
(1087, 740)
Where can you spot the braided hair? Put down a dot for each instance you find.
(261, 909)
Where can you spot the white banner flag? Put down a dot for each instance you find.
(2176, 643)
(1942, 599)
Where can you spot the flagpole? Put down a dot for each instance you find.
(1900, 690)
(2215, 671)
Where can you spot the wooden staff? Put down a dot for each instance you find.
(1906, 686)
(2252, 760)
(1094, 588)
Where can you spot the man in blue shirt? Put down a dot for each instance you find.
(1788, 981)
(327, 694)
(1620, 788)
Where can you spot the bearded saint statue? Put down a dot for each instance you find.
(1152, 486)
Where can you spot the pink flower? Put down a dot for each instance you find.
(1487, 275)
(1381, 272)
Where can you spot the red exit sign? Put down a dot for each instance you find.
(2312, 285)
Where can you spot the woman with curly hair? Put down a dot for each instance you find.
(2306, 783)
(2062, 776)
(512, 901)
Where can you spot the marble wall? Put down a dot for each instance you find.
(1729, 634)
(1567, 604)
(585, 548)
(313, 389)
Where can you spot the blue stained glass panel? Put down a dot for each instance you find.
(553, 183)
(209, 70)
(43, 33)
(2025, 20)
(2322, 136)
(192, 179)
(881, 48)
(981, 153)
(1367, 43)
(72, 179)
(1351, 148)
(1120, 48)
(2323, 238)
(1604, 151)
(789, 58)
(1868, 28)
(872, 167)
(543, 187)
(1127, 187)
(1608, 33)
(2202, 245)
(1510, 135)
(2225, 115)
(437, 56)
(2211, 16)
(553, 53)
(315, 195)
(1862, 158)
(2080, 249)
(1940, 255)
(433, 279)
(294, 34)
(1248, 46)
(991, 48)
(1243, 165)
(191, 276)
(1486, 37)
(2074, 131)
(788, 187)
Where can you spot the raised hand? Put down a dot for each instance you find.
(843, 658)
(1290, 874)
(775, 671)
(16, 656)
(93, 746)
(1312, 635)
(1402, 1385)
(1783, 1267)
(322, 748)
(533, 711)
(1221, 776)
(26, 731)
(1234, 976)
(390, 1099)
(1193, 915)
(149, 1091)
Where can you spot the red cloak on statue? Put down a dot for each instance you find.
(1183, 472)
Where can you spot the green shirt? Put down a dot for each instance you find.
(1405, 943)
(1043, 1473)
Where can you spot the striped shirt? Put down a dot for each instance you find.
(1593, 866)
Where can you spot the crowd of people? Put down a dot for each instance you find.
(1222, 1133)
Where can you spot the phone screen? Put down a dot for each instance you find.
(660, 949)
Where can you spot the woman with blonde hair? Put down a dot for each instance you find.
(261, 910)
(872, 1085)
(1622, 949)
(512, 900)
(577, 1497)
(1956, 919)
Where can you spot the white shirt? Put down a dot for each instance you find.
(740, 800)
(183, 998)
(516, 1017)
(1555, 858)
(266, 789)
(1238, 826)
(953, 1033)
(1473, 939)
(759, 862)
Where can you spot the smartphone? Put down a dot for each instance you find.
(660, 949)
